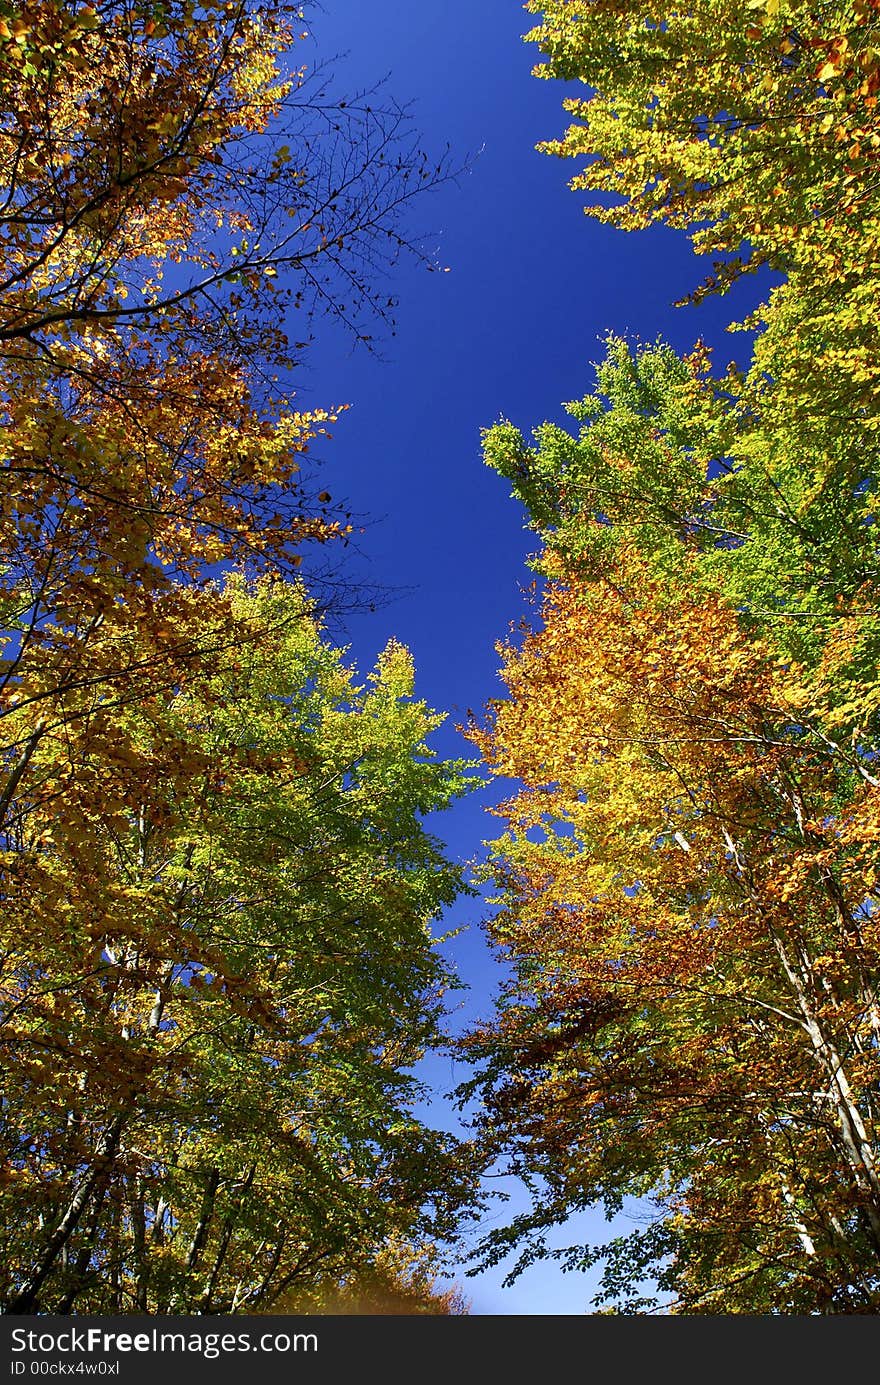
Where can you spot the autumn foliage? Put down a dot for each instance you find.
(699, 943)
(218, 969)
(216, 950)
(686, 883)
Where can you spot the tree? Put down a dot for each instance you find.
(665, 460)
(756, 129)
(687, 884)
(692, 938)
(402, 1281)
(217, 967)
(133, 144)
(155, 230)
(214, 987)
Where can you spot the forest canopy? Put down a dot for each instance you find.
(686, 884)
(222, 958)
(218, 965)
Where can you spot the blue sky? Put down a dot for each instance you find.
(532, 289)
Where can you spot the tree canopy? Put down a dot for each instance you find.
(686, 885)
(216, 984)
(217, 965)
